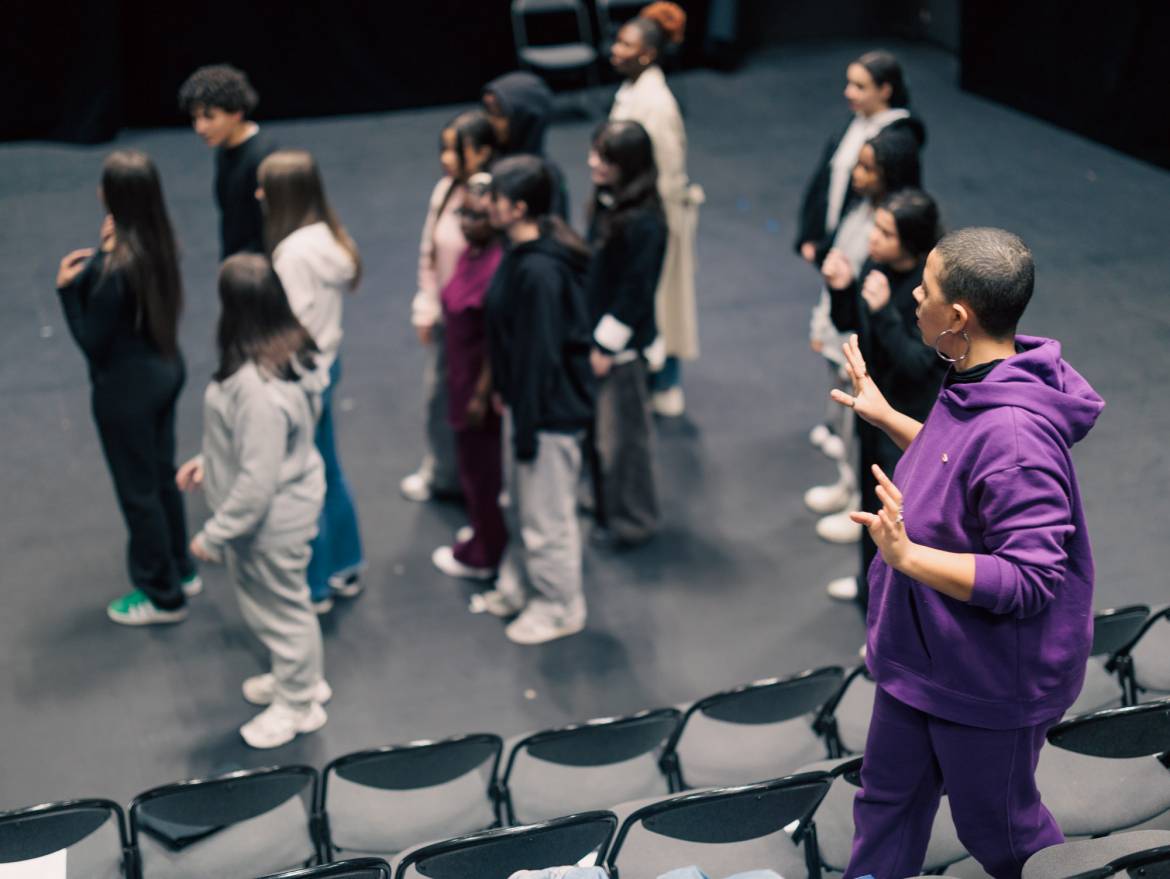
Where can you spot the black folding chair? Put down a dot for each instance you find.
(1150, 864)
(1106, 672)
(577, 53)
(497, 854)
(357, 868)
(384, 800)
(1144, 663)
(72, 825)
(756, 731)
(248, 822)
(843, 721)
(1108, 770)
(727, 830)
(589, 765)
(1118, 853)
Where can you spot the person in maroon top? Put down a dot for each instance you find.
(473, 419)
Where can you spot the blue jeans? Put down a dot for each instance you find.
(337, 548)
(670, 376)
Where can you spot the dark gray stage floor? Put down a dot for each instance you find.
(733, 589)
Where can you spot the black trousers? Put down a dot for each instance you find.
(875, 448)
(623, 438)
(134, 409)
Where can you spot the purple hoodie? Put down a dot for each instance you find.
(990, 474)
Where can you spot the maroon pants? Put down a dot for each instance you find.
(989, 775)
(478, 456)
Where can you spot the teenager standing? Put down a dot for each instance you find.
(264, 482)
(220, 101)
(122, 304)
(645, 98)
(539, 342)
(628, 232)
(318, 265)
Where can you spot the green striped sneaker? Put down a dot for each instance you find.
(135, 609)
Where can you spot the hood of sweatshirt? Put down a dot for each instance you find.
(1038, 380)
(550, 247)
(321, 253)
(527, 101)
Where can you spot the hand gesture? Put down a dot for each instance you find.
(866, 400)
(190, 476)
(837, 270)
(425, 333)
(200, 551)
(71, 265)
(886, 527)
(107, 236)
(808, 251)
(601, 362)
(875, 290)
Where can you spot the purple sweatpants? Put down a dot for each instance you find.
(989, 775)
(478, 454)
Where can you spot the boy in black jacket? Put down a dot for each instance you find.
(219, 100)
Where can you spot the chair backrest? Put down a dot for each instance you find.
(384, 800)
(589, 765)
(1152, 863)
(357, 868)
(521, 9)
(88, 834)
(758, 704)
(581, 839)
(247, 822)
(1116, 627)
(675, 825)
(1136, 731)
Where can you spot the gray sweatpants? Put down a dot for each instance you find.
(274, 600)
(541, 567)
(624, 436)
(438, 465)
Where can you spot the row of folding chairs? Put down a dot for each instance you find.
(576, 48)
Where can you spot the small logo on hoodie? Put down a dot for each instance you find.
(945, 457)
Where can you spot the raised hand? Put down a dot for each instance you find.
(71, 265)
(875, 290)
(837, 270)
(866, 400)
(887, 527)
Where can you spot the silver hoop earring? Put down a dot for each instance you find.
(961, 357)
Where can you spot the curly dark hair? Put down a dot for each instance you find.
(218, 85)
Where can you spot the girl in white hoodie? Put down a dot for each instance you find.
(318, 263)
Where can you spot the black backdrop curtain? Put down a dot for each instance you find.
(83, 70)
(1096, 68)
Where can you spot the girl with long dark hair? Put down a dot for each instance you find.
(122, 305)
(877, 305)
(265, 483)
(467, 145)
(886, 164)
(539, 342)
(645, 98)
(628, 232)
(318, 264)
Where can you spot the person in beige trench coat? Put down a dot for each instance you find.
(645, 98)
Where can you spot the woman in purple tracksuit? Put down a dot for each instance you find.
(980, 613)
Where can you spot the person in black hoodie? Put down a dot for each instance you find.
(519, 105)
(879, 98)
(538, 341)
(122, 306)
(628, 231)
(877, 305)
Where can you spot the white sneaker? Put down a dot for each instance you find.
(135, 609)
(444, 559)
(826, 499)
(349, 586)
(278, 725)
(415, 487)
(495, 602)
(834, 447)
(192, 586)
(839, 528)
(464, 534)
(261, 690)
(670, 403)
(843, 588)
(818, 435)
(530, 628)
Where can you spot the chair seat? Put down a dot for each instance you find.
(834, 820)
(566, 56)
(1080, 855)
(647, 855)
(1151, 658)
(714, 753)
(1094, 795)
(1101, 690)
(853, 714)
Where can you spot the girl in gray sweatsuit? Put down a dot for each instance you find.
(264, 482)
